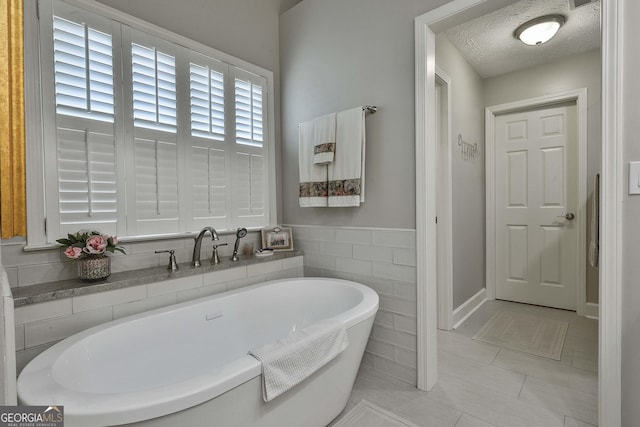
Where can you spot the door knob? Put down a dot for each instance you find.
(568, 216)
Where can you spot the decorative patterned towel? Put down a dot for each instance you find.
(324, 147)
(313, 190)
(288, 361)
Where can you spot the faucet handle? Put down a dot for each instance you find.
(215, 258)
(173, 265)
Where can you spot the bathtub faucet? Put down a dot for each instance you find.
(195, 259)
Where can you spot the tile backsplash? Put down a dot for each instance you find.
(385, 260)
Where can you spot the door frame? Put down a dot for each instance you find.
(579, 96)
(610, 303)
(445, 201)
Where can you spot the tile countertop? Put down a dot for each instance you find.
(41, 292)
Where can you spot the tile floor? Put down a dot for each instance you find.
(485, 385)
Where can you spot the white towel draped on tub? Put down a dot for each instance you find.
(346, 173)
(288, 361)
(324, 146)
(313, 178)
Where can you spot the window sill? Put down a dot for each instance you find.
(43, 292)
(133, 239)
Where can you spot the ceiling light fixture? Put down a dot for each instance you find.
(539, 30)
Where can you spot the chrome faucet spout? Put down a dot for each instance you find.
(195, 259)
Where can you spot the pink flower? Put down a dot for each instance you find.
(73, 252)
(96, 245)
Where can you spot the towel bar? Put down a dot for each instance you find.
(371, 109)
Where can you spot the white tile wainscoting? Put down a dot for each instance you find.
(385, 260)
(39, 326)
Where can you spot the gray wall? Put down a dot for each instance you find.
(335, 55)
(468, 176)
(631, 213)
(578, 71)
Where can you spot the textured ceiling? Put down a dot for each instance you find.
(489, 46)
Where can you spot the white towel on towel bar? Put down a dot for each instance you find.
(346, 173)
(313, 178)
(324, 146)
(289, 361)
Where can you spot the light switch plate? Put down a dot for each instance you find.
(634, 177)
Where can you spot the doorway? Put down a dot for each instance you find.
(445, 208)
(426, 200)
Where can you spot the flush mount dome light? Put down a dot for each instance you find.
(539, 30)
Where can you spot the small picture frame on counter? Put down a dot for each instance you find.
(277, 238)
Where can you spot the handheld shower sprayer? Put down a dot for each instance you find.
(240, 233)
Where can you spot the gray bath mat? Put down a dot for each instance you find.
(526, 333)
(366, 414)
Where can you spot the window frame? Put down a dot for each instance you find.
(39, 122)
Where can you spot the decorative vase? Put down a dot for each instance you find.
(92, 269)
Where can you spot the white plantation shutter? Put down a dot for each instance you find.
(248, 110)
(209, 187)
(156, 186)
(154, 88)
(81, 185)
(249, 188)
(87, 187)
(208, 160)
(207, 102)
(250, 177)
(83, 67)
(154, 153)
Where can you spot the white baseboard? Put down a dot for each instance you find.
(467, 308)
(592, 310)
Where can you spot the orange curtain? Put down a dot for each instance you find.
(13, 196)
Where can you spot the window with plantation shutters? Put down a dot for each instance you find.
(81, 174)
(147, 133)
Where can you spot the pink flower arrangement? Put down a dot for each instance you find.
(89, 244)
(73, 252)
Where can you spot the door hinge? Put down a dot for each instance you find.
(436, 220)
(38, 10)
(45, 226)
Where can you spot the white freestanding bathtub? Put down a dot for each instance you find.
(187, 364)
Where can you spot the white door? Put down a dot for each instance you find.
(536, 197)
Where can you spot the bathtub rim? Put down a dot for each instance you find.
(133, 406)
